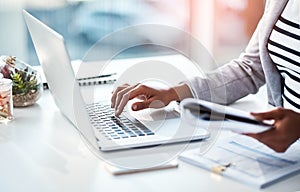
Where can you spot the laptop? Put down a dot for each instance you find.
(96, 122)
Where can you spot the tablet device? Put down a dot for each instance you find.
(233, 119)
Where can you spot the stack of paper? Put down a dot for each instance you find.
(247, 161)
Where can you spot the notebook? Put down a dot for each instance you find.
(87, 80)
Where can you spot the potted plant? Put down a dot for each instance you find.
(27, 86)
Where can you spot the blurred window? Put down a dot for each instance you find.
(83, 23)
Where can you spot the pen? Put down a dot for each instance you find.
(96, 77)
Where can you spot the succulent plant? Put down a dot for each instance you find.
(24, 81)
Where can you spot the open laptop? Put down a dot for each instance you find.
(96, 122)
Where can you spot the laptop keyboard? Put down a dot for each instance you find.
(103, 119)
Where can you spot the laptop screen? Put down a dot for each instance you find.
(55, 61)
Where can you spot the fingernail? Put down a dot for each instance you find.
(117, 112)
(134, 107)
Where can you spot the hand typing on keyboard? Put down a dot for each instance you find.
(148, 96)
(103, 119)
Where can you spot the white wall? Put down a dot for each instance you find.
(12, 34)
(13, 30)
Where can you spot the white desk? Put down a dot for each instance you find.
(41, 151)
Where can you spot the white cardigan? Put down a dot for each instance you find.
(250, 71)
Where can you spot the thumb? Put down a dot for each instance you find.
(151, 103)
(273, 114)
(140, 105)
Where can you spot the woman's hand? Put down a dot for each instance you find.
(285, 132)
(150, 97)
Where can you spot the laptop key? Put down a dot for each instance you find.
(131, 134)
(102, 118)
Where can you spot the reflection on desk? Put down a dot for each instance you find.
(41, 151)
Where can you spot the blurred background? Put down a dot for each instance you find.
(222, 26)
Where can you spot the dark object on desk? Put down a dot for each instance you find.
(45, 86)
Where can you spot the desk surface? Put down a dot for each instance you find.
(41, 151)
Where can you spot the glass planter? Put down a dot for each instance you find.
(6, 103)
(27, 84)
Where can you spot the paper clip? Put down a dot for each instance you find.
(219, 169)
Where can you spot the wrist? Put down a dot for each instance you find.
(180, 92)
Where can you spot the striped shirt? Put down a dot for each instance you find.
(284, 49)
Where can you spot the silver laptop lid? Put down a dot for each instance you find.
(55, 61)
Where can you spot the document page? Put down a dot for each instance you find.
(248, 161)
